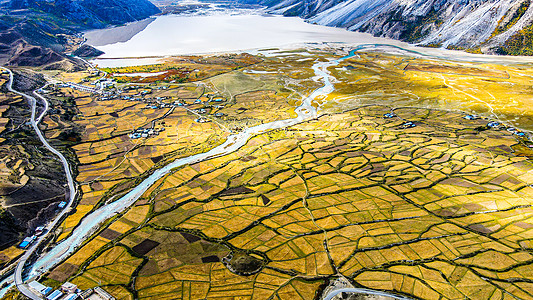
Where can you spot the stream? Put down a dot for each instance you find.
(91, 222)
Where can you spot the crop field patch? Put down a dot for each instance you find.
(145, 246)
(64, 272)
(210, 259)
(110, 234)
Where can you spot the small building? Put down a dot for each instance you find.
(47, 291)
(471, 117)
(62, 204)
(39, 287)
(408, 125)
(493, 124)
(86, 294)
(27, 242)
(68, 287)
(39, 230)
(71, 297)
(103, 293)
(55, 295)
(24, 244)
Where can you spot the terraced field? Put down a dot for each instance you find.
(438, 210)
(110, 161)
(31, 181)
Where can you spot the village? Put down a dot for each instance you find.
(205, 107)
(69, 291)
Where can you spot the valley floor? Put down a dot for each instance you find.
(398, 184)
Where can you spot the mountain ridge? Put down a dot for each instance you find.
(90, 14)
(35, 32)
(481, 26)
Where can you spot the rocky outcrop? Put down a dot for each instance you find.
(87, 51)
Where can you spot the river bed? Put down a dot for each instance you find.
(178, 35)
(145, 42)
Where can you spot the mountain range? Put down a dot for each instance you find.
(32, 32)
(90, 13)
(482, 26)
(35, 32)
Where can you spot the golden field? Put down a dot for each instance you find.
(441, 210)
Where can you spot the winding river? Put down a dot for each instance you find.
(91, 222)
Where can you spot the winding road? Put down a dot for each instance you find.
(18, 279)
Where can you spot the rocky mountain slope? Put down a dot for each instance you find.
(488, 26)
(91, 13)
(34, 32)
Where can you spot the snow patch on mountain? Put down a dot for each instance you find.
(471, 25)
(446, 23)
(354, 11)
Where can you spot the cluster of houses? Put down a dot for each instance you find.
(405, 125)
(69, 291)
(159, 105)
(516, 131)
(131, 87)
(216, 100)
(498, 125)
(28, 241)
(491, 124)
(31, 239)
(135, 97)
(145, 132)
(152, 103)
